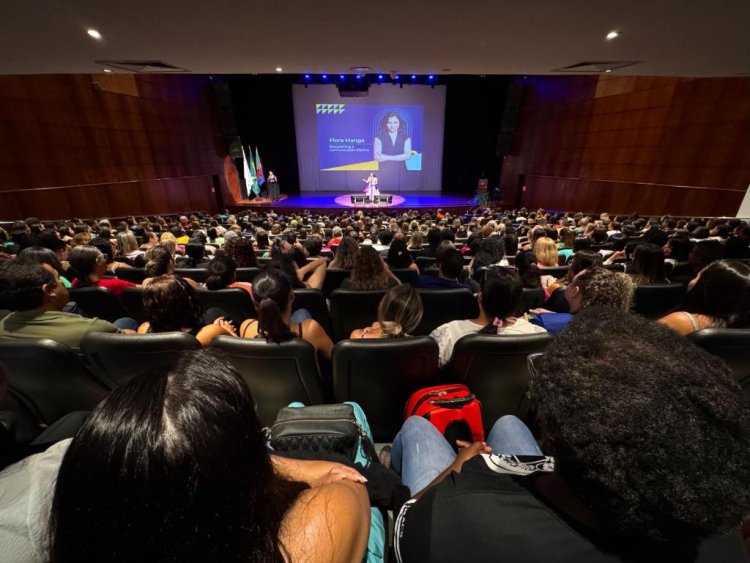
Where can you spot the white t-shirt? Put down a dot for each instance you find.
(26, 490)
(448, 334)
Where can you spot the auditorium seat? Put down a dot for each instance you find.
(116, 358)
(352, 309)
(132, 300)
(444, 305)
(196, 274)
(425, 262)
(406, 275)
(655, 300)
(556, 272)
(333, 279)
(276, 374)
(495, 369)
(48, 379)
(557, 302)
(313, 300)
(98, 302)
(234, 301)
(135, 275)
(381, 374)
(533, 298)
(247, 274)
(730, 344)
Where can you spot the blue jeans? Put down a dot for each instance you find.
(420, 452)
(126, 323)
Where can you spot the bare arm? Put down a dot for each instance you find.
(318, 275)
(318, 337)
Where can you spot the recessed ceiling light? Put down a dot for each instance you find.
(106, 70)
(279, 69)
(94, 33)
(614, 34)
(608, 70)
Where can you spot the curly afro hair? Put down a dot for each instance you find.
(652, 432)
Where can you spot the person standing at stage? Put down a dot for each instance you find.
(371, 190)
(273, 186)
(392, 148)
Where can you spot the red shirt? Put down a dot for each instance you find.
(114, 285)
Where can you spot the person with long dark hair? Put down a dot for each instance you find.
(273, 297)
(500, 301)
(647, 266)
(222, 274)
(399, 256)
(718, 297)
(173, 466)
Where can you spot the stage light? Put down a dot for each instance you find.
(94, 34)
(413, 76)
(614, 34)
(359, 77)
(397, 77)
(325, 77)
(431, 77)
(307, 77)
(341, 76)
(279, 69)
(380, 77)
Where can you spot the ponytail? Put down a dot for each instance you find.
(391, 329)
(221, 273)
(270, 324)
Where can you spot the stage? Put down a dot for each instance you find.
(329, 201)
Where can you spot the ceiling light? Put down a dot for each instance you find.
(94, 33)
(279, 69)
(106, 70)
(613, 35)
(608, 70)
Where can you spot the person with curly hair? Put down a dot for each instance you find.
(592, 286)
(241, 251)
(171, 305)
(370, 272)
(399, 313)
(718, 297)
(643, 456)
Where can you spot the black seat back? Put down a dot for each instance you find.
(48, 379)
(557, 302)
(732, 345)
(276, 374)
(495, 369)
(444, 305)
(381, 374)
(132, 300)
(116, 358)
(334, 278)
(234, 301)
(247, 274)
(196, 274)
(424, 262)
(532, 298)
(135, 275)
(315, 303)
(406, 275)
(655, 300)
(352, 309)
(98, 302)
(557, 272)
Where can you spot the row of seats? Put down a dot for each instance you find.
(48, 380)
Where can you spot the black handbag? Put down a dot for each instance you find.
(320, 430)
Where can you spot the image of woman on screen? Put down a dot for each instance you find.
(392, 148)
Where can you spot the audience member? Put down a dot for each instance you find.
(399, 313)
(500, 301)
(273, 297)
(346, 254)
(370, 272)
(631, 472)
(647, 266)
(90, 265)
(222, 274)
(718, 297)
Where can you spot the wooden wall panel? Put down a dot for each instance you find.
(624, 144)
(108, 145)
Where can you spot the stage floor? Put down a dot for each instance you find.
(329, 201)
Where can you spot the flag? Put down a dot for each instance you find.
(253, 180)
(259, 168)
(246, 173)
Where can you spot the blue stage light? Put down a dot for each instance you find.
(341, 76)
(325, 77)
(307, 77)
(431, 77)
(380, 77)
(398, 77)
(413, 76)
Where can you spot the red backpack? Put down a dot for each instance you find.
(452, 408)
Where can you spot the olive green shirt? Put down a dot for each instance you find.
(65, 328)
